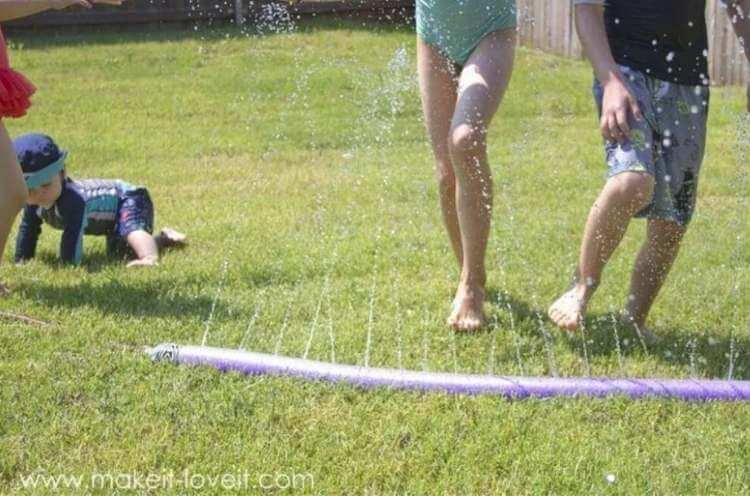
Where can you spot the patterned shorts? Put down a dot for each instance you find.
(669, 143)
(136, 213)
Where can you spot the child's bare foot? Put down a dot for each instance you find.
(468, 312)
(144, 262)
(569, 310)
(4, 290)
(168, 237)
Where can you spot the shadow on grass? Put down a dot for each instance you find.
(133, 298)
(92, 262)
(96, 261)
(701, 353)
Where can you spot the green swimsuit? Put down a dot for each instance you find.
(456, 27)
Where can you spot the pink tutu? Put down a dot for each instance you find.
(15, 89)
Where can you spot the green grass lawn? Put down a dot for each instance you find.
(299, 167)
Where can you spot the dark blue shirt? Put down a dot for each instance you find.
(84, 207)
(665, 39)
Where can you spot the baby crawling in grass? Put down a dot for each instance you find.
(120, 211)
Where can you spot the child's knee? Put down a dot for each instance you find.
(666, 234)
(466, 140)
(635, 189)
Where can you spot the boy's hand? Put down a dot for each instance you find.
(618, 104)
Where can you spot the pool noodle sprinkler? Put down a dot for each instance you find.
(252, 363)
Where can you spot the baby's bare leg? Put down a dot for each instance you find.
(145, 248)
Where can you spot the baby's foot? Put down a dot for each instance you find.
(169, 237)
(144, 262)
(569, 310)
(468, 312)
(4, 290)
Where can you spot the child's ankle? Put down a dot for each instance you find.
(476, 280)
(585, 289)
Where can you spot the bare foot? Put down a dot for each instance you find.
(144, 262)
(569, 310)
(468, 312)
(4, 290)
(168, 237)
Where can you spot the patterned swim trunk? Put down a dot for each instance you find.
(668, 143)
(136, 213)
(456, 27)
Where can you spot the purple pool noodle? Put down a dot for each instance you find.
(507, 386)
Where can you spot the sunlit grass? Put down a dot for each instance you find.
(301, 163)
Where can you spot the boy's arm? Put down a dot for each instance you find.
(618, 102)
(28, 235)
(71, 243)
(739, 13)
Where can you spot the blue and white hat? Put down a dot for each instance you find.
(40, 158)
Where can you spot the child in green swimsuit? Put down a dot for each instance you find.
(465, 52)
(456, 27)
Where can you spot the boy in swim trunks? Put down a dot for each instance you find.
(651, 88)
(115, 209)
(465, 54)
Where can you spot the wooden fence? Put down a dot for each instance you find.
(548, 25)
(543, 24)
